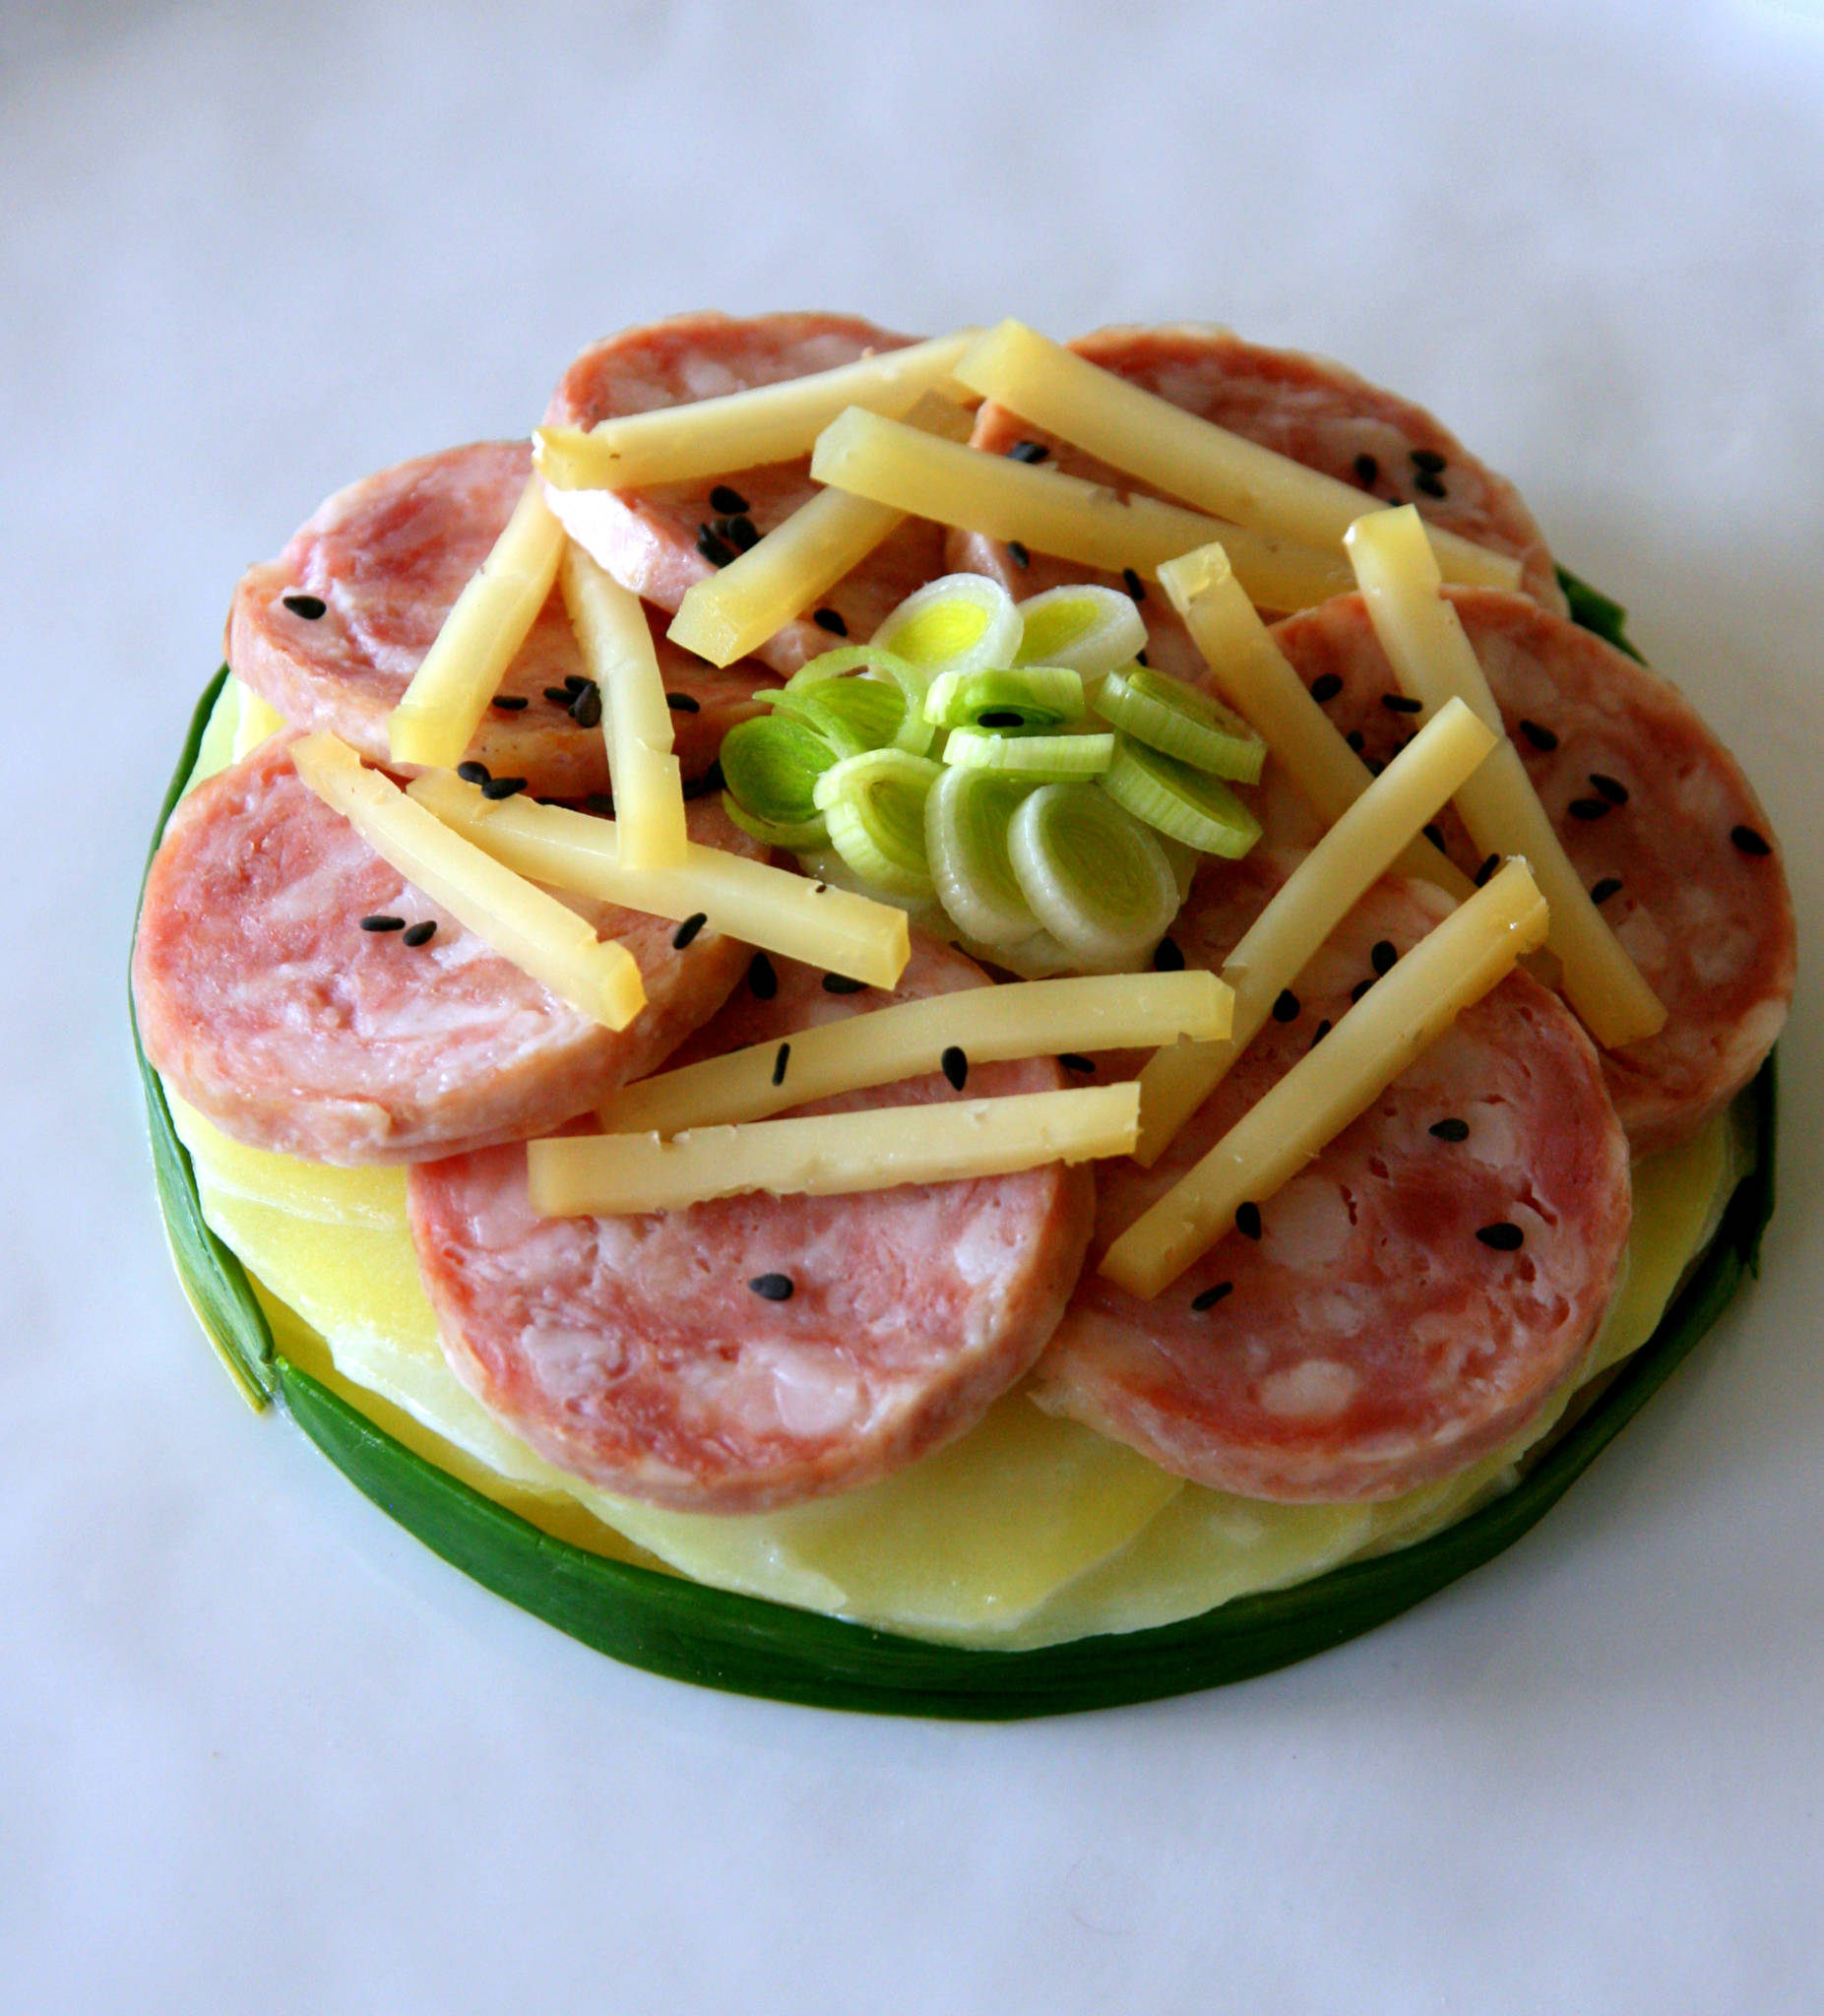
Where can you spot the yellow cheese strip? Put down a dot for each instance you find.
(1053, 513)
(711, 437)
(1407, 1011)
(523, 924)
(730, 612)
(617, 647)
(1184, 454)
(772, 908)
(1318, 895)
(609, 1176)
(461, 671)
(1259, 683)
(1432, 659)
(1022, 1019)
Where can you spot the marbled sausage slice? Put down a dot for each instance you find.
(648, 538)
(1369, 1341)
(386, 559)
(1306, 408)
(633, 1351)
(267, 1006)
(1643, 796)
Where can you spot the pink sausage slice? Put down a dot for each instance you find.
(654, 539)
(1415, 1295)
(1302, 407)
(1654, 812)
(331, 631)
(268, 1008)
(758, 1350)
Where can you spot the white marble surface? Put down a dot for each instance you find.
(258, 1748)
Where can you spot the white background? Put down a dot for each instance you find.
(258, 1748)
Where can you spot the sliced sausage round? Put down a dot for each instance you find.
(1415, 1295)
(660, 540)
(331, 631)
(1656, 815)
(757, 1350)
(267, 1007)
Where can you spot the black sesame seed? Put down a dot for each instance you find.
(420, 934)
(743, 533)
(1451, 1130)
(1435, 836)
(1356, 740)
(379, 923)
(782, 1057)
(720, 526)
(1366, 470)
(1589, 808)
(688, 930)
(1286, 1007)
(1610, 787)
(1383, 955)
(508, 703)
(1429, 483)
(1488, 868)
(560, 696)
(1247, 1221)
(831, 620)
(1430, 460)
(473, 773)
(1748, 841)
(1361, 987)
(602, 803)
(1501, 1235)
(1326, 686)
(1027, 451)
(1542, 738)
(771, 1287)
(683, 703)
(498, 787)
(573, 682)
(762, 978)
(1401, 703)
(955, 1065)
(840, 983)
(1140, 657)
(1018, 554)
(1001, 718)
(1133, 584)
(726, 499)
(310, 607)
(1320, 1032)
(586, 709)
(1167, 955)
(713, 547)
(1610, 885)
(1072, 1062)
(1210, 1296)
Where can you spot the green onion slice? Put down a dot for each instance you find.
(874, 806)
(1094, 877)
(966, 819)
(1036, 759)
(914, 731)
(771, 765)
(1179, 721)
(791, 835)
(1182, 803)
(1037, 698)
(1092, 630)
(959, 623)
(851, 714)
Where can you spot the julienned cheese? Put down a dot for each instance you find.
(986, 1025)
(736, 430)
(1260, 684)
(607, 1175)
(1321, 891)
(1054, 513)
(636, 717)
(727, 614)
(762, 906)
(1454, 966)
(461, 671)
(1184, 454)
(1433, 660)
(523, 924)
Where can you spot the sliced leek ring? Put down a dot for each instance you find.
(1036, 759)
(1173, 718)
(852, 716)
(793, 835)
(1089, 629)
(1024, 702)
(913, 732)
(1183, 804)
(770, 765)
(966, 820)
(958, 623)
(875, 807)
(1093, 877)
